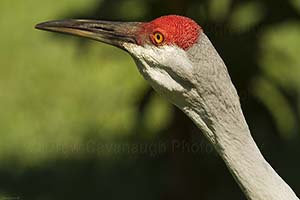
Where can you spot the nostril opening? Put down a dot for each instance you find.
(103, 28)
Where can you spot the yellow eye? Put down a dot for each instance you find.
(158, 38)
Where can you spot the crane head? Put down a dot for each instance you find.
(161, 48)
(178, 60)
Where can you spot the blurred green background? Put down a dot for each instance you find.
(77, 121)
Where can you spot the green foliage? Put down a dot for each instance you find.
(296, 4)
(158, 115)
(54, 95)
(219, 9)
(280, 62)
(277, 105)
(137, 9)
(246, 15)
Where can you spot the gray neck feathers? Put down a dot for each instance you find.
(213, 104)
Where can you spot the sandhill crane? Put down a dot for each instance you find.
(178, 60)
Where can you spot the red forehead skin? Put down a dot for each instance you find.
(178, 30)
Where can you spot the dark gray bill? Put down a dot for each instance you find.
(114, 33)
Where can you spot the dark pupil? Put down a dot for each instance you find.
(158, 37)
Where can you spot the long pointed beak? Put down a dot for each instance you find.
(114, 33)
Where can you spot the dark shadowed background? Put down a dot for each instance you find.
(77, 121)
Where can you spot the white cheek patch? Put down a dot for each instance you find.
(164, 67)
(161, 79)
(176, 60)
(158, 78)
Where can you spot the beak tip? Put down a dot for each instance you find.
(46, 25)
(37, 26)
(40, 26)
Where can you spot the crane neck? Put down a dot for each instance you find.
(213, 104)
